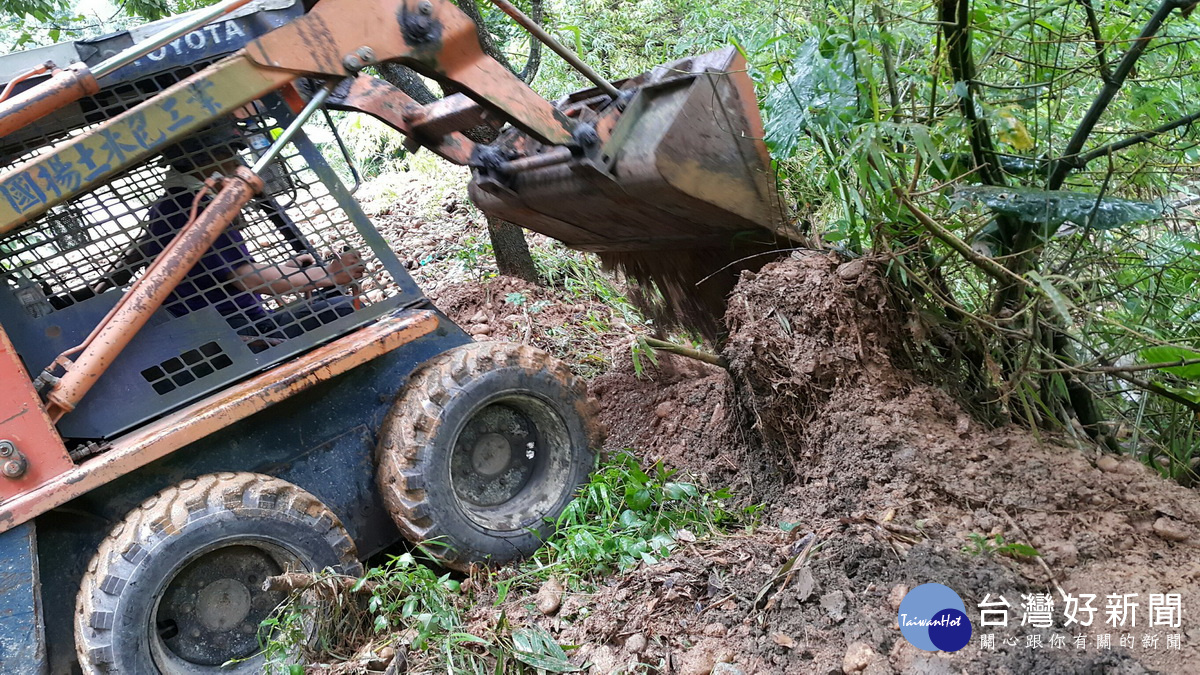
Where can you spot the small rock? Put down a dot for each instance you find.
(896, 596)
(549, 597)
(604, 660)
(1171, 530)
(703, 657)
(858, 656)
(1061, 553)
(805, 584)
(834, 605)
(664, 409)
(727, 669)
(784, 640)
(635, 644)
(481, 329)
(480, 317)
(851, 270)
(1131, 468)
(1108, 464)
(715, 630)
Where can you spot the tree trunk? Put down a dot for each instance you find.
(508, 239)
(512, 251)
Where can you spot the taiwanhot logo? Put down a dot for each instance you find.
(932, 617)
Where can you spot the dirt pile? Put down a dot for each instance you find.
(881, 481)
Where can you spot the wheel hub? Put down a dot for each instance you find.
(211, 610)
(491, 454)
(223, 604)
(495, 455)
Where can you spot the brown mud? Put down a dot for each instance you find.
(880, 481)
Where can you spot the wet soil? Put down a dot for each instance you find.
(873, 482)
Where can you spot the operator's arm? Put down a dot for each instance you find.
(292, 277)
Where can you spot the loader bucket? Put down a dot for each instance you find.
(683, 165)
(678, 185)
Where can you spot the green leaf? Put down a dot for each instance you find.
(1062, 306)
(1051, 208)
(1164, 354)
(637, 498)
(821, 93)
(537, 648)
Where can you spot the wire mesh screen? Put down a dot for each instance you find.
(299, 265)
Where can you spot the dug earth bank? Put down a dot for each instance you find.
(873, 482)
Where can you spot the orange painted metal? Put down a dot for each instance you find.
(395, 108)
(159, 439)
(24, 424)
(64, 87)
(149, 292)
(433, 37)
(38, 70)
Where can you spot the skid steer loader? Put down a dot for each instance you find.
(215, 369)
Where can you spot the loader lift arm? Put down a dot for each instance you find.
(333, 41)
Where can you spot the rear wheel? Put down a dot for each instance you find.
(484, 450)
(177, 586)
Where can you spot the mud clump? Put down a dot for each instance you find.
(685, 414)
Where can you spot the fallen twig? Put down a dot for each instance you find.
(303, 581)
(687, 351)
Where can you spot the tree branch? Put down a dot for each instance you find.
(1094, 25)
(1160, 390)
(529, 71)
(1083, 159)
(955, 15)
(1070, 157)
(986, 265)
(407, 81)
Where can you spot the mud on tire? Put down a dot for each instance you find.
(484, 449)
(177, 585)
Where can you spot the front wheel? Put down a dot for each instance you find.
(176, 588)
(484, 450)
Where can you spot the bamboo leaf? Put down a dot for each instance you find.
(1062, 306)
(1051, 208)
(1164, 354)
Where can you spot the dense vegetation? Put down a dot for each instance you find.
(1026, 170)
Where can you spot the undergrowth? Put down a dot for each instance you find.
(626, 515)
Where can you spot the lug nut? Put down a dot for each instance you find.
(13, 469)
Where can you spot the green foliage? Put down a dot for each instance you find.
(982, 545)
(820, 96)
(625, 516)
(642, 353)
(534, 647)
(1167, 354)
(1047, 209)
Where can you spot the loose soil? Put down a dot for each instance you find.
(879, 479)
(872, 481)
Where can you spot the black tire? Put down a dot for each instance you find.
(165, 593)
(451, 469)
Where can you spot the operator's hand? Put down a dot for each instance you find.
(304, 260)
(346, 267)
